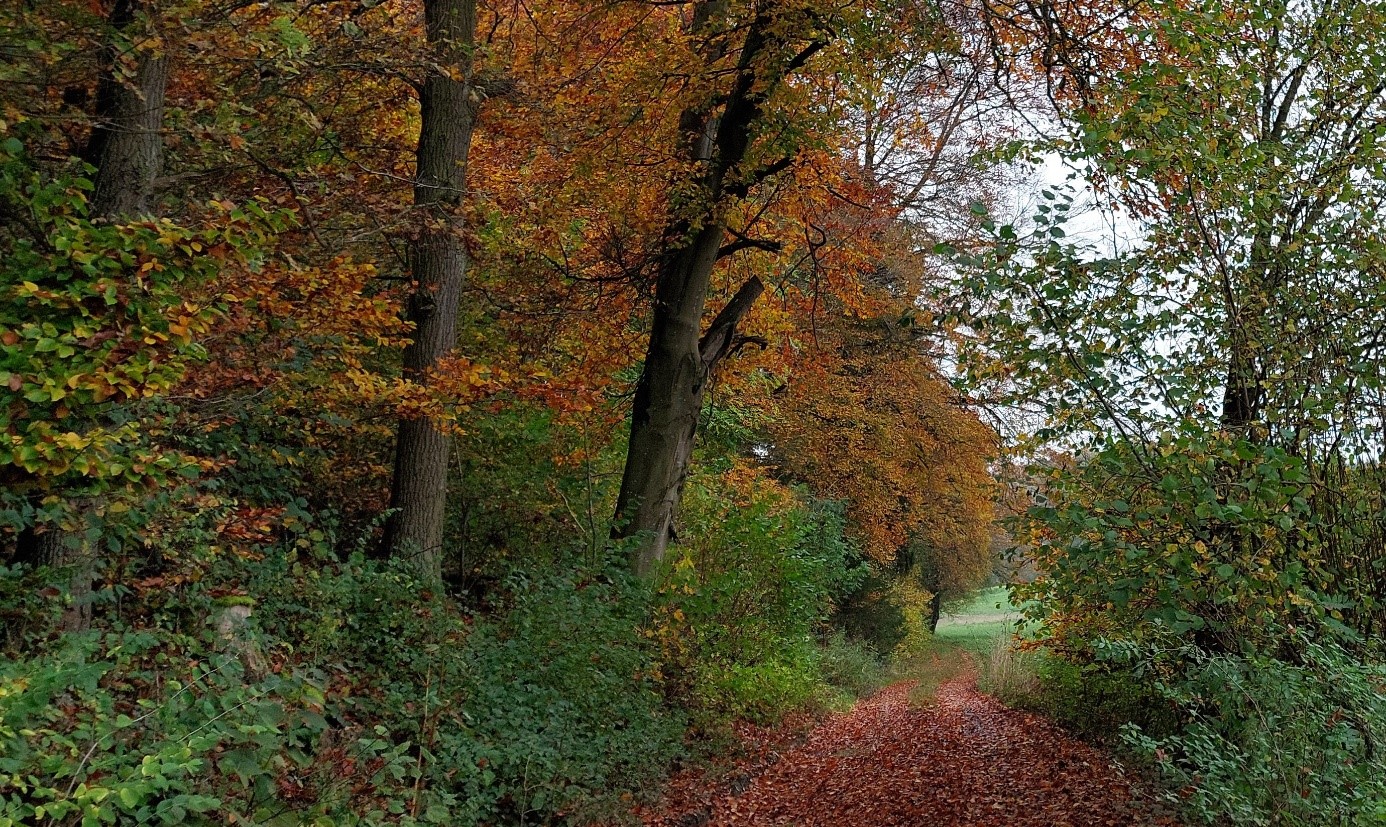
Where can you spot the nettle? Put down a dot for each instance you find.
(139, 726)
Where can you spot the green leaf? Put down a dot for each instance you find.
(130, 797)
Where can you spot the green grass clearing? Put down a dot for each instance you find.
(976, 638)
(994, 600)
(978, 622)
(967, 632)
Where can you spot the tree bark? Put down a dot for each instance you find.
(438, 260)
(678, 362)
(668, 399)
(126, 145)
(61, 550)
(126, 148)
(1243, 390)
(935, 610)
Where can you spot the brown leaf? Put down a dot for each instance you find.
(965, 761)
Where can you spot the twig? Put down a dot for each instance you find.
(77, 772)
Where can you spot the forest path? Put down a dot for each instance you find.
(964, 761)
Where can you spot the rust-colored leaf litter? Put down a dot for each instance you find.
(964, 761)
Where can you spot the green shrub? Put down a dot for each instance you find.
(561, 706)
(761, 692)
(1271, 742)
(746, 593)
(143, 727)
(552, 703)
(850, 667)
(874, 612)
(1097, 700)
(356, 695)
(519, 500)
(26, 613)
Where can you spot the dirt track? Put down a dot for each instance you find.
(965, 761)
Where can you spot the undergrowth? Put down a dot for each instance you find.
(295, 681)
(1235, 739)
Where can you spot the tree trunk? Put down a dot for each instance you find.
(438, 259)
(63, 551)
(126, 148)
(669, 398)
(1242, 391)
(669, 395)
(935, 610)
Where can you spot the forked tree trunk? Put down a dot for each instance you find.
(678, 362)
(126, 148)
(668, 400)
(438, 259)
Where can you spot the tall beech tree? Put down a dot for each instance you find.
(125, 147)
(448, 101)
(777, 39)
(871, 421)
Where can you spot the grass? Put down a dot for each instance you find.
(967, 634)
(978, 638)
(983, 626)
(993, 600)
(1011, 675)
(976, 624)
(929, 666)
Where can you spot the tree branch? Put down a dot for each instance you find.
(721, 334)
(745, 242)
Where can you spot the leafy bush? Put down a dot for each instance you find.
(746, 594)
(850, 667)
(1272, 742)
(561, 704)
(143, 727)
(914, 601)
(761, 692)
(352, 694)
(874, 613)
(25, 611)
(1097, 700)
(557, 487)
(1226, 551)
(508, 717)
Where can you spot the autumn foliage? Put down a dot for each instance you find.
(223, 227)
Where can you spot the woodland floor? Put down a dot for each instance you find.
(964, 760)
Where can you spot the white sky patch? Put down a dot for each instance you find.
(1091, 222)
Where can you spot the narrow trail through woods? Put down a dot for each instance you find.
(964, 761)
